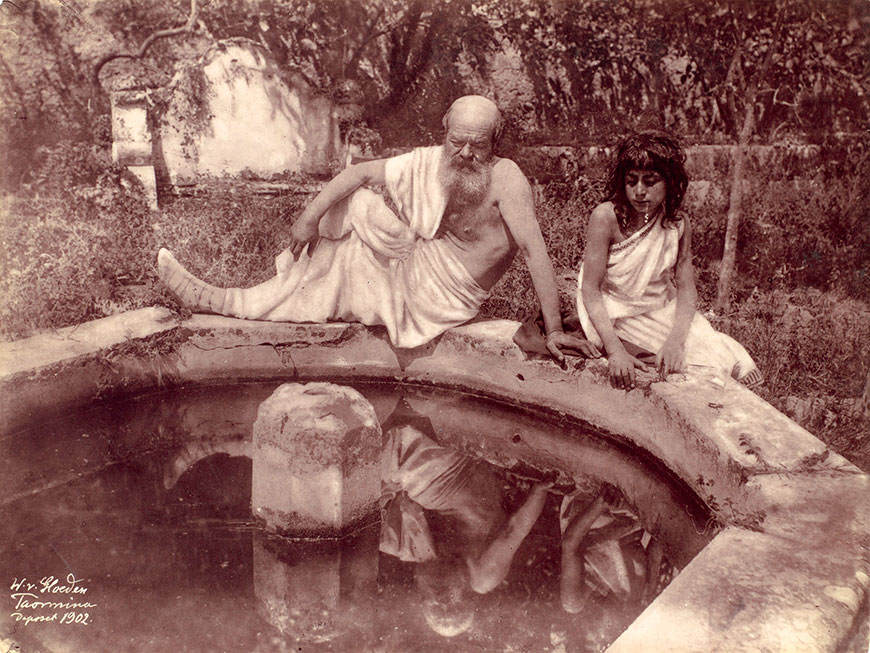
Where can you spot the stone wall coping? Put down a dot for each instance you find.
(51, 347)
(790, 569)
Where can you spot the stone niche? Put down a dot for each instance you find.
(235, 112)
(131, 138)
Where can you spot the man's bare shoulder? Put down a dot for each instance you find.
(372, 171)
(509, 183)
(507, 170)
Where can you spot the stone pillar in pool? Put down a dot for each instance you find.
(316, 461)
(316, 483)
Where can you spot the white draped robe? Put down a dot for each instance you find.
(373, 266)
(640, 298)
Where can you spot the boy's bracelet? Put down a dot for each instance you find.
(554, 330)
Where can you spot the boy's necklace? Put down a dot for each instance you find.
(649, 216)
(644, 222)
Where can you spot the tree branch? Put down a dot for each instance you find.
(313, 83)
(729, 85)
(774, 43)
(187, 27)
(783, 102)
(370, 36)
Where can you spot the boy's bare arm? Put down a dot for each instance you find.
(598, 237)
(687, 292)
(621, 364)
(671, 357)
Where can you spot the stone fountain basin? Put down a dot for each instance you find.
(789, 571)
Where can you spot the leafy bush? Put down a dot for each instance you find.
(73, 242)
(809, 232)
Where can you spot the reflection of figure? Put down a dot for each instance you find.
(463, 215)
(606, 552)
(635, 243)
(197, 450)
(430, 489)
(443, 509)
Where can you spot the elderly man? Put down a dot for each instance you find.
(463, 214)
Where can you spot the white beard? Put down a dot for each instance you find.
(465, 185)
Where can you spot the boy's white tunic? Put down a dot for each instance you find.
(640, 298)
(375, 267)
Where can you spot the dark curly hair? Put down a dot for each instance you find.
(649, 150)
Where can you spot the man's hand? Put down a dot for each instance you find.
(671, 357)
(559, 340)
(621, 366)
(302, 233)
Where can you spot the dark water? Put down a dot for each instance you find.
(128, 527)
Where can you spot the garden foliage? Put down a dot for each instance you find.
(79, 241)
(74, 240)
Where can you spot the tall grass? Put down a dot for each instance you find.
(814, 348)
(72, 248)
(86, 248)
(230, 237)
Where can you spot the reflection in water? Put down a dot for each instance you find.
(429, 488)
(443, 510)
(469, 555)
(606, 553)
(195, 451)
(314, 591)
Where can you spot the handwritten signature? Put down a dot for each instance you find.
(50, 600)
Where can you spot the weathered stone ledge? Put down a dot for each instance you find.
(789, 572)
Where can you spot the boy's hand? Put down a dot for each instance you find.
(671, 358)
(621, 366)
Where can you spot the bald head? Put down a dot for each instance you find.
(474, 112)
